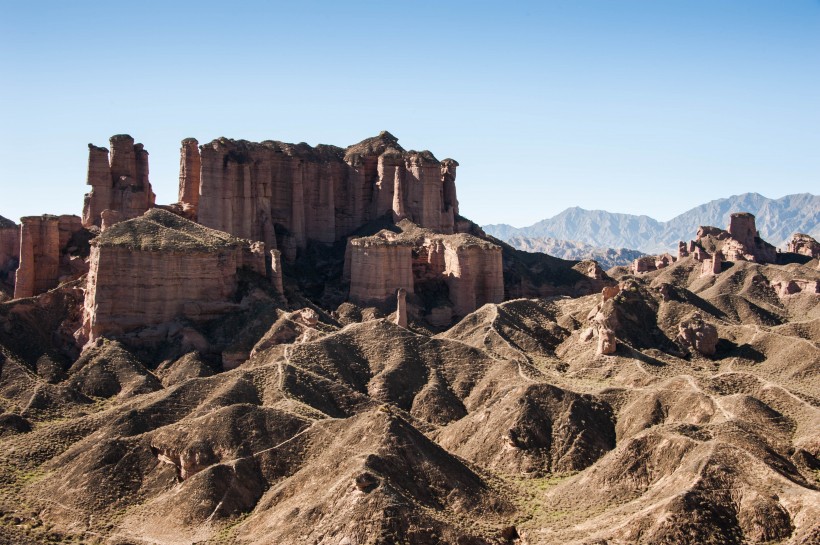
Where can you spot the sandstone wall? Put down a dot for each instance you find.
(378, 268)
(9, 253)
(158, 267)
(804, 245)
(9, 243)
(129, 289)
(474, 275)
(379, 265)
(118, 183)
(39, 268)
(286, 194)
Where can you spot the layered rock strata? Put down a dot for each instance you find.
(698, 335)
(158, 267)
(39, 267)
(286, 194)
(190, 167)
(45, 257)
(379, 265)
(712, 245)
(9, 250)
(741, 242)
(804, 245)
(119, 182)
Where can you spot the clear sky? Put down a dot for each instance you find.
(637, 106)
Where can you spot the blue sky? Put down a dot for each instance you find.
(650, 106)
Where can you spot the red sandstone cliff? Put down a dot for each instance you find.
(380, 265)
(119, 183)
(286, 194)
(158, 267)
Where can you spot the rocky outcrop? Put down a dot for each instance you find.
(804, 245)
(276, 271)
(741, 242)
(190, 167)
(644, 264)
(473, 271)
(39, 267)
(401, 308)
(379, 266)
(118, 183)
(713, 265)
(9, 252)
(794, 286)
(158, 267)
(470, 267)
(286, 194)
(696, 334)
(48, 253)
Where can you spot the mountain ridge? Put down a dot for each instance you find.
(777, 220)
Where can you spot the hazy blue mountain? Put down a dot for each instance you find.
(577, 251)
(777, 219)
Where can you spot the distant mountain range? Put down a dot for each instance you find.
(777, 220)
(576, 251)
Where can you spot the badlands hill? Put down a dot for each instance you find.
(777, 220)
(173, 376)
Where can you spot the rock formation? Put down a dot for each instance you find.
(286, 194)
(401, 308)
(158, 267)
(471, 268)
(276, 271)
(740, 243)
(606, 342)
(804, 245)
(379, 265)
(713, 265)
(46, 251)
(9, 251)
(190, 167)
(698, 335)
(39, 267)
(119, 183)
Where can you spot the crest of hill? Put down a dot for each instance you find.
(159, 230)
(385, 144)
(242, 150)
(5, 223)
(413, 233)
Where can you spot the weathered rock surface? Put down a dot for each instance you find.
(190, 169)
(120, 184)
(286, 194)
(471, 268)
(9, 253)
(379, 265)
(157, 267)
(699, 335)
(49, 253)
(740, 242)
(39, 268)
(804, 245)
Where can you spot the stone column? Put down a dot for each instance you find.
(39, 268)
(190, 166)
(276, 271)
(399, 213)
(401, 308)
(99, 178)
